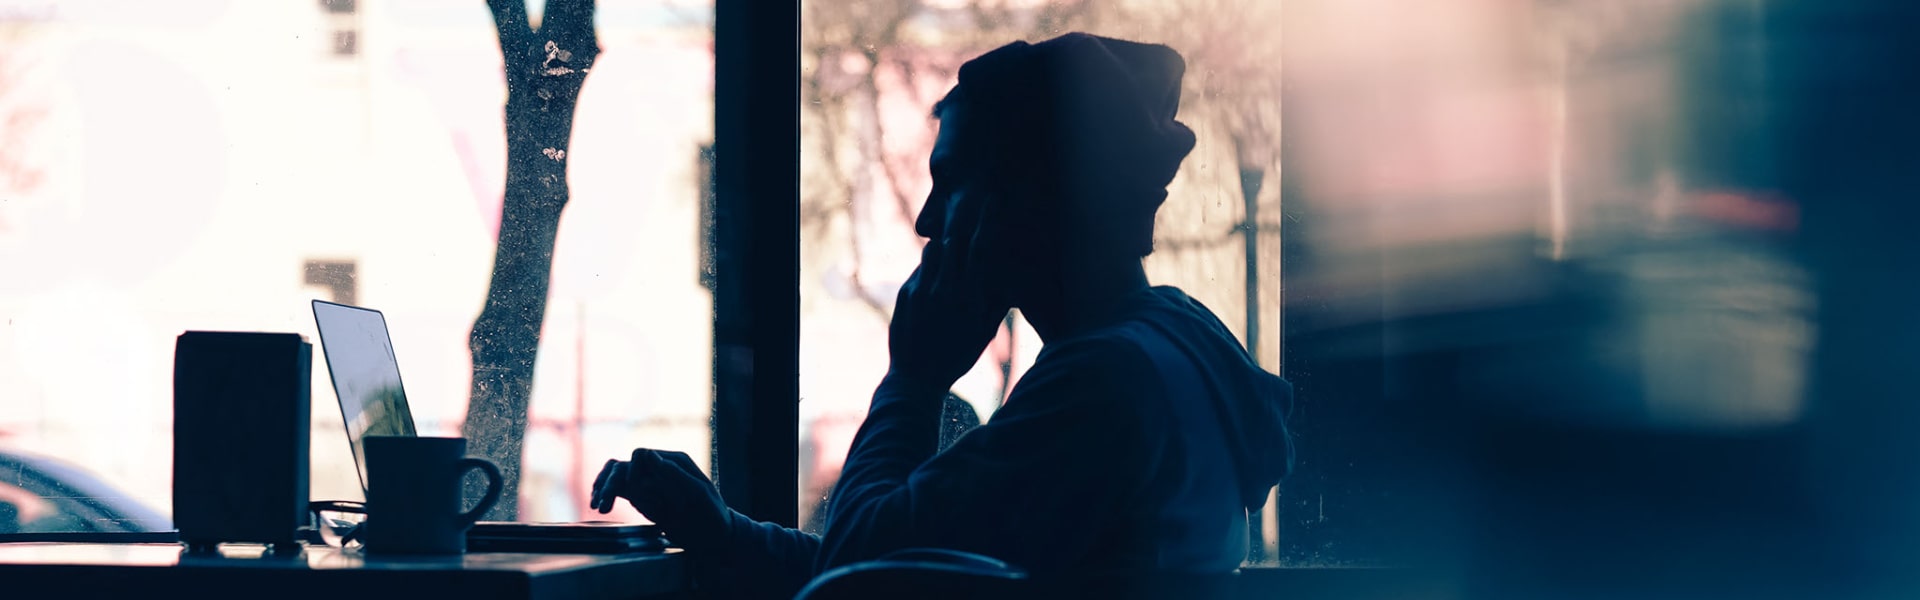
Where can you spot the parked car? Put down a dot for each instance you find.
(44, 495)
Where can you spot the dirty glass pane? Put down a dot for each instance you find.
(216, 164)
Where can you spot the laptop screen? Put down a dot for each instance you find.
(366, 376)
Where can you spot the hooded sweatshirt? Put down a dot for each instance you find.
(1135, 447)
(1138, 445)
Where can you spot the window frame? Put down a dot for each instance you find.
(756, 237)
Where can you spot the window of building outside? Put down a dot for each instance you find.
(216, 165)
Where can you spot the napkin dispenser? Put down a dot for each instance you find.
(241, 416)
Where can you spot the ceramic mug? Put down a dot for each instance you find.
(414, 494)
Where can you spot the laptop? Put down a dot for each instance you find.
(366, 378)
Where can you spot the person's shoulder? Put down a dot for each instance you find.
(1116, 342)
(1101, 381)
(1111, 356)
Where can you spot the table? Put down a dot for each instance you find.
(74, 570)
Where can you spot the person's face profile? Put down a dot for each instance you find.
(963, 212)
(974, 219)
(945, 164)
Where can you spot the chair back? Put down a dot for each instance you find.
(939, 574)
(921, 573)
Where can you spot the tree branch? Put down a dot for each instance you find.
(511, 27)
(875, 150)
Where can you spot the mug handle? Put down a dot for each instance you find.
(493, 488)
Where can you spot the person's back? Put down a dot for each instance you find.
(1145, 442)
(1225, 443)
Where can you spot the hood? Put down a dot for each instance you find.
(1253, 403)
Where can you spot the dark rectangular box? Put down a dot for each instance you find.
(240, 426)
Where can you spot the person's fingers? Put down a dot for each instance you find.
(599, 489)
(619, 484)
(940, 290)
(601, 479)
(908, 289)
(985, 239)
(933, 265)
(611, 490)
(599, 492)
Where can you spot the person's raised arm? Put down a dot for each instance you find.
(1035, 484)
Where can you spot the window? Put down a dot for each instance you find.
(343, 17)
(1531, 214)
(173, 166)
(346, 42)
(1562, 211)
(869, 79)
(335, 278)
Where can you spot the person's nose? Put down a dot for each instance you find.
(931, 223)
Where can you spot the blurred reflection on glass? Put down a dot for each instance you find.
(1558, 293)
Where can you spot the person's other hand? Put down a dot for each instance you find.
(943, 319)
(669, 490)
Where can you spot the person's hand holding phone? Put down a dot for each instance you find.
(669, 490)
(947, 312)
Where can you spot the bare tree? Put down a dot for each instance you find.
(846, 42)
(545, 64)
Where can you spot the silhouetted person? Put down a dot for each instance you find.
(1143, 433)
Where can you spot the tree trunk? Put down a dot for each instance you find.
(544, 69)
